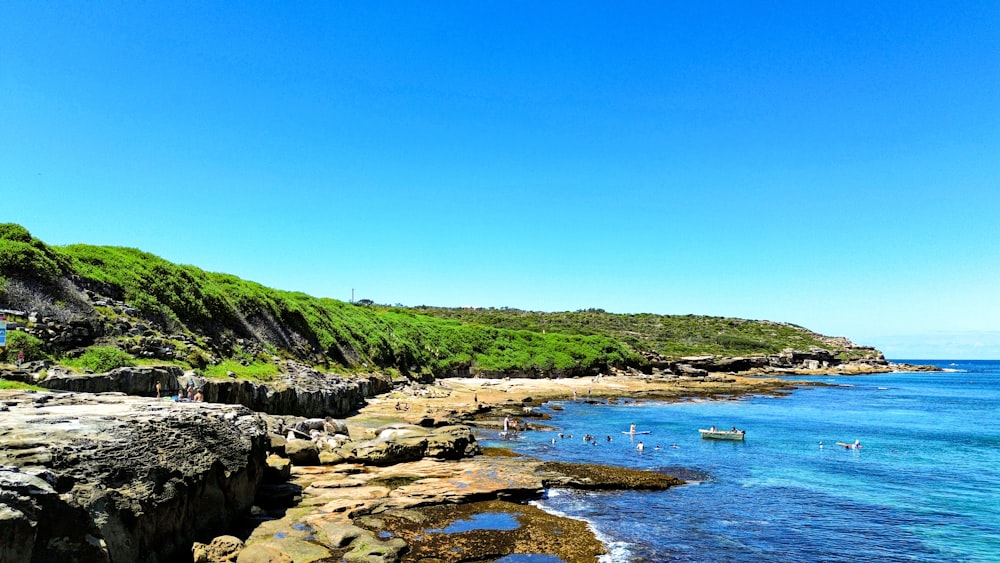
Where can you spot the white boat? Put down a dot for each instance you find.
(714, 434)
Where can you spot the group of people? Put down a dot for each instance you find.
(325, 432)
(311, 427)
(509, 427)
(640, 447)
(190, 394)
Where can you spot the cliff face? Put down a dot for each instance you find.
(301, 391)
(119, 479)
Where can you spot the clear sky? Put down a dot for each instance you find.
(830, 164)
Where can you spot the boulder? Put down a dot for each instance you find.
(277, 469)
(223, 549)
(399, 443)
(367, 549)
(452, 442)
(302, 452)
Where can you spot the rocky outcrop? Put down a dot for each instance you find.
(58, 334)
(399, 443)
(129, 380)
(113, 478)
(815, 359)
(302, 391)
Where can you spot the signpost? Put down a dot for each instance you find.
(3, 332)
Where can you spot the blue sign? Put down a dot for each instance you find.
(3, 333)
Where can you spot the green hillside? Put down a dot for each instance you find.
(670, 336)
(210, 320)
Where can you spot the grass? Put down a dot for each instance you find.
(7, 385)
(255, 372)
(671, 336)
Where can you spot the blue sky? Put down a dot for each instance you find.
(833, 165)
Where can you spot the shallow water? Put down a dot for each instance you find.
(924, 487)
(481, 521)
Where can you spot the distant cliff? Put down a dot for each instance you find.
(72, 304)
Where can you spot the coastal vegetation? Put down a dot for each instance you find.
(223, 325)
(101, 359)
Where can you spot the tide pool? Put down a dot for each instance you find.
(924, 487)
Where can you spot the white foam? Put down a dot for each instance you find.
(618, 551)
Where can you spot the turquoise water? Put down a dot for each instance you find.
(924, 487)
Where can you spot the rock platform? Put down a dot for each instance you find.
(355, 512)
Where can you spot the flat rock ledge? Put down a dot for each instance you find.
(113, 478)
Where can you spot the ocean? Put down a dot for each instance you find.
(925, 486)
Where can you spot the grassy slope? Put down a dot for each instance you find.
(429, 340)
(670, 336)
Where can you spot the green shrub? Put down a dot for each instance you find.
(15, 232)
(24, 255)
(100, 359)
(17, 341)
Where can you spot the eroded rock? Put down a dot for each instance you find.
(108, 477)
(223, 549)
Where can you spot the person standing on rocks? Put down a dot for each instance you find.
(157, 389)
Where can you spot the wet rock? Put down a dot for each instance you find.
(340, 534)
(367, 549)
(263, 554)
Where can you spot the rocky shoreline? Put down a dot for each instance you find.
(110, 477)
